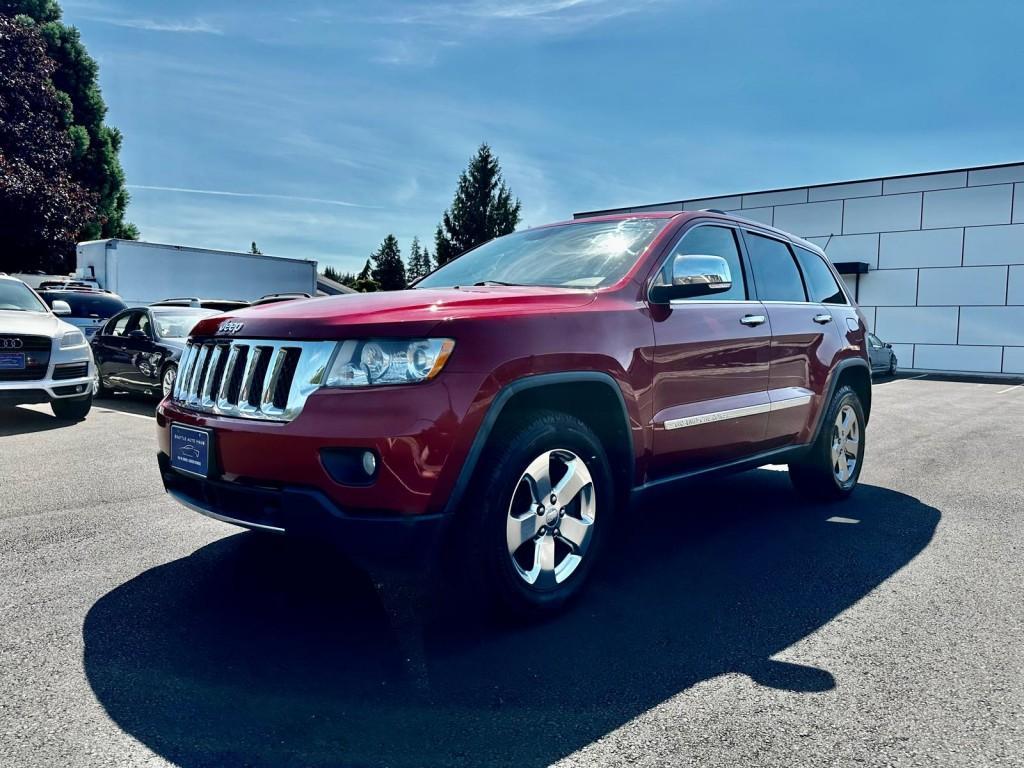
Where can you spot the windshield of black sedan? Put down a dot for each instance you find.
(579, 255)
(15, 296)
(178, 323)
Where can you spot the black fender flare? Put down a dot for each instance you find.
(842, 365)
(502, 399)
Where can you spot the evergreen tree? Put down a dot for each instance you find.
(95, 163)
(364, 282)
(332, 274)
(388, 269)
(483, 209)
(428, 262)
(419, 261)
(42, 205)
(256, 251)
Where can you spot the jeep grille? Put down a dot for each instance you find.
(251, 378)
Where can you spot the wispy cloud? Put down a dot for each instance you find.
(555, 16)
(260, 195)
(197, 26)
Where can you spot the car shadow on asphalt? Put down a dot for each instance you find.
(257, 652)
(136, 405)
(25, 421)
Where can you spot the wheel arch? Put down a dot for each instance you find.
(855, 372)
(592, 396)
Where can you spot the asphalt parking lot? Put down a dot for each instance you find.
(731, 625)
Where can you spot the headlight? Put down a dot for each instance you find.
(376, 362)
(72, 339)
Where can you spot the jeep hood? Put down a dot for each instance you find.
(392, 313)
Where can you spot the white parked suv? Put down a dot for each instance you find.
(42, 358)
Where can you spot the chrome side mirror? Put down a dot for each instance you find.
(61, 308)
(696, 275)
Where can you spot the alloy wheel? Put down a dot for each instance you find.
(167, 380)
(551, 518)
(845, 444)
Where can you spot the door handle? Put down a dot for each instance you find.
(823, 318)
(753, 320)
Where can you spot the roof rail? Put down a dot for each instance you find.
(714, 210)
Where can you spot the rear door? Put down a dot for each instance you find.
(711, 364)
(805, 341)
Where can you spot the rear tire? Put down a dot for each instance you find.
(72, 408)
(831, 468)
(536, 515)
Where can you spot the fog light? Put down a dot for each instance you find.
(369, 463)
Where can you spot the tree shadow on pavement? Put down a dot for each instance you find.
(251, 652)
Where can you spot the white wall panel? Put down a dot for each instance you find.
(921, 183)
(889, 288)
(1015, 290)
(950, 357)
(1013, 359)
(784, 197)
(922, 248)
(904, 354)
(917, 325)
(995, 175)
(969, 207)
(994, 245)
(962, 285)
(721, 203)
(764, 215)
(809, 219)
(851, 248)
(840, 191)
(889, 213)
(992, 325)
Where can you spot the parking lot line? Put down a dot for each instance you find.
(1009, 389)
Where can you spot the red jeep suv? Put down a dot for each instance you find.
(516, 400)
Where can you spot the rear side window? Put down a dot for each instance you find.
(775, 272)
(820, 282)
(710, 241)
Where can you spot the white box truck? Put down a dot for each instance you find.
(142, 273)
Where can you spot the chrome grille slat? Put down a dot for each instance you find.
(265, 372)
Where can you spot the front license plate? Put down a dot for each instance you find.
(191, 449)
(12, 361)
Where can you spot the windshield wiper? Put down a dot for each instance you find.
(493, 282)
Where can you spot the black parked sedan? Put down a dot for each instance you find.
(138, 350)
(883, 359)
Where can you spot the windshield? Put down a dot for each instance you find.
(178, 323)
(15, 296)
(583, 255)
(86, 304)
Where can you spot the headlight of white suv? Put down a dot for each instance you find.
(376, 362)
(72, 340)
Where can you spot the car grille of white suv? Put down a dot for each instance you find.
(251, 378)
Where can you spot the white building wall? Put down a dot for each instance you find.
(946, 253)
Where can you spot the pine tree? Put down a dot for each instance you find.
(419, 262)
(331, 274)
(388, 268)
(256, 251)
(428, 262)
(364, 282)
(483, 209)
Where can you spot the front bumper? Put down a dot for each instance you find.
(376, 541)
(48, 389)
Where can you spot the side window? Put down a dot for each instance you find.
(775, 272)
(873, 341)
(710, 241)
(134, 319)
(118, 326)
(820, 282)
(144, 324)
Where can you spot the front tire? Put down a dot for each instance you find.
(831, 468)
(537, 514)
(72, 408)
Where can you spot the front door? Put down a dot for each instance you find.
(110, 351)
(711, 365)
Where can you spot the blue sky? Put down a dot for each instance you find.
(316, 128)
